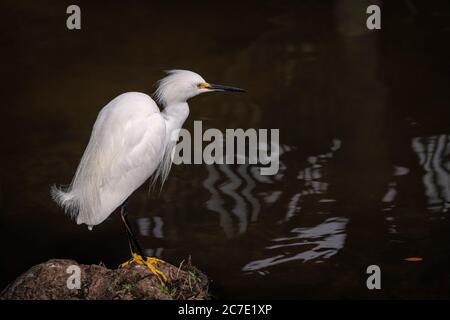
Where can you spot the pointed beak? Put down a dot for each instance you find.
(218, 87)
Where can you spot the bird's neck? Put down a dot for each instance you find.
(175, 114)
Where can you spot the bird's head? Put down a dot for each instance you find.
(181, 85)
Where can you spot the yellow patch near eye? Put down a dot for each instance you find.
(203, 85)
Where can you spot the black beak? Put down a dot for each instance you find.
(219, 87)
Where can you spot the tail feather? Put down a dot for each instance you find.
(65, 200)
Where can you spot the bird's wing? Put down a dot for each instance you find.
(125, 148)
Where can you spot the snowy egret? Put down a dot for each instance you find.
(131, 141)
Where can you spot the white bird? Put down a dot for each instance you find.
(131, 141)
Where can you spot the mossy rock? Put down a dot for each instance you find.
(48, 281)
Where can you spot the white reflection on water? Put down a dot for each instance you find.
(234, 195)
(326, 240)
(151, 226)
(236, 185)
(433, 156)
(154, 252)
(313, 181)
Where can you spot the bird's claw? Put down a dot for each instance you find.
(150, 263)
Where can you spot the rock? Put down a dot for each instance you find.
(48, 280)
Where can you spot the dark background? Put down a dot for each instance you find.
(364, 128)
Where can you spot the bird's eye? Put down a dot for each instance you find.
(202, 85)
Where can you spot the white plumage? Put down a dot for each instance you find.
(131, 140)
(124, 150)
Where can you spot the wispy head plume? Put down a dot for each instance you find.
(176, 86)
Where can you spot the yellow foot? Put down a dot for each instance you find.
(150, 263)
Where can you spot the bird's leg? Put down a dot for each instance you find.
(137, 254)
(132, 241)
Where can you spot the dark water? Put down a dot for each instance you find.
(364, 123)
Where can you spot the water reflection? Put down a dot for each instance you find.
(238, 194)
(318, 242)
(433, 154)
(151, 227)
(314, 182)
(234, 186)
(433, 158)
(305, 244)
